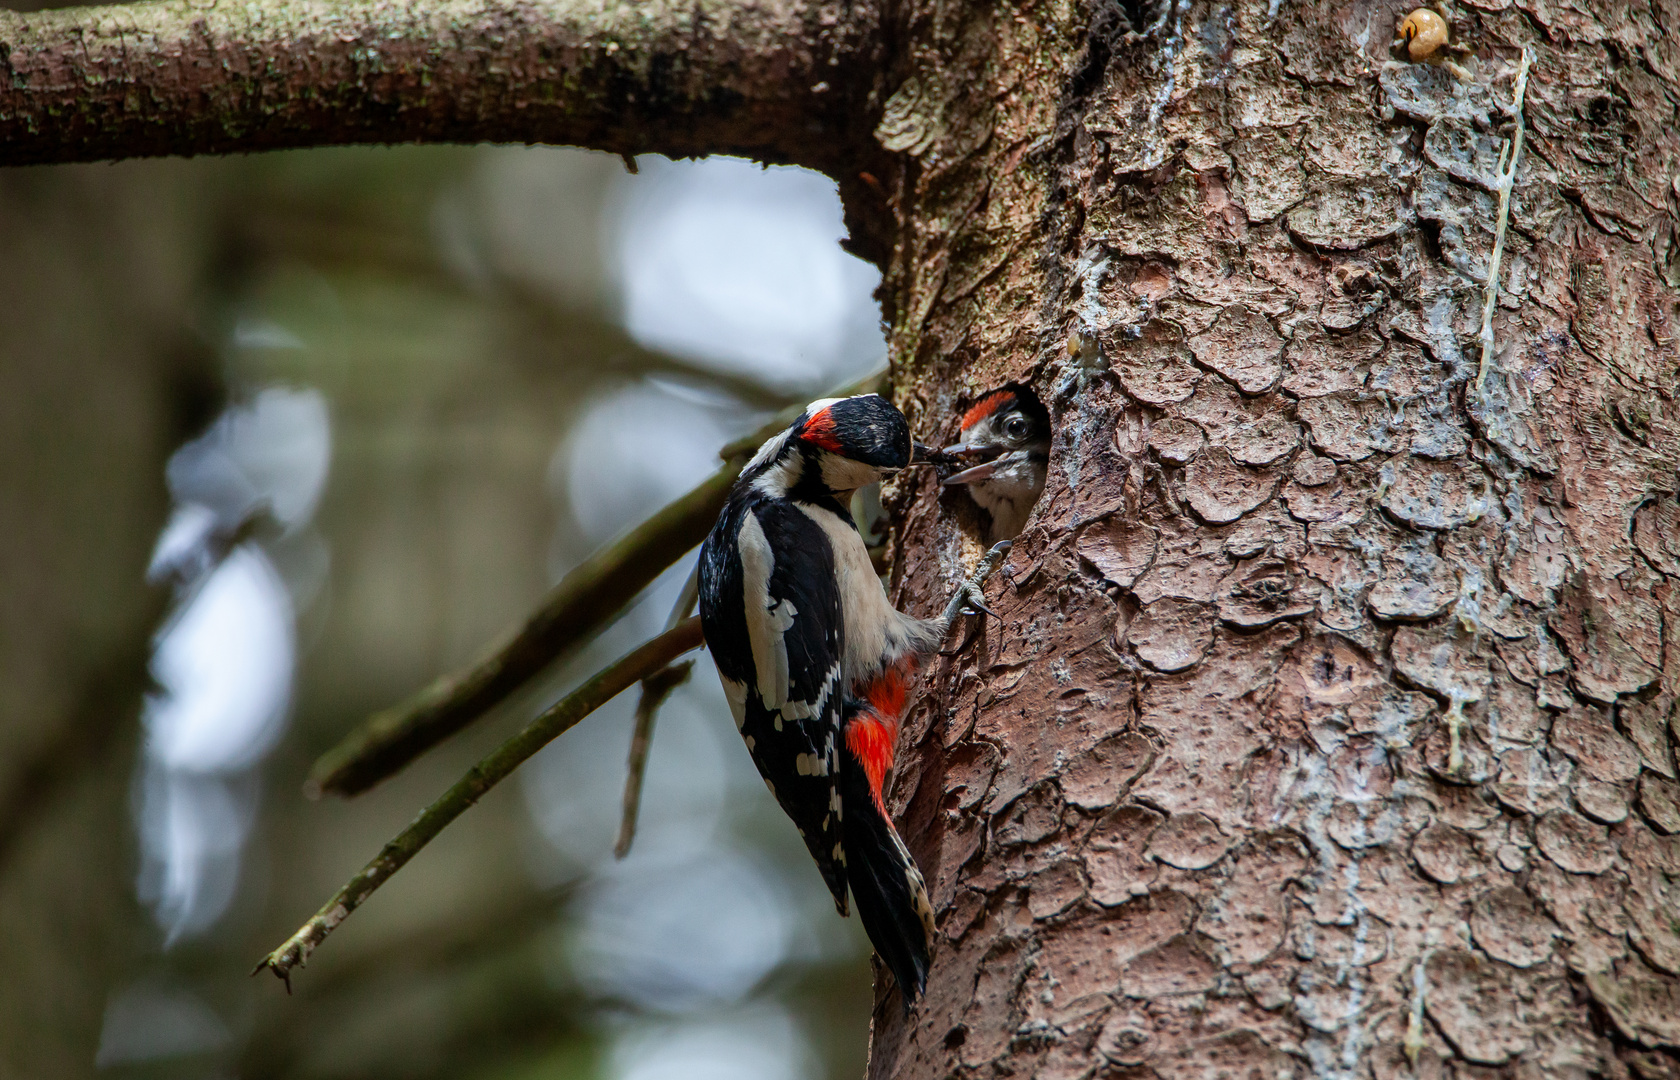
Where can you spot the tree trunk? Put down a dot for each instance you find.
(1326, 728)
(1328, 725)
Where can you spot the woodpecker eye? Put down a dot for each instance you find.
(1016, 427)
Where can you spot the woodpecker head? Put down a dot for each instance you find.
(1006, 450)
(835, 447)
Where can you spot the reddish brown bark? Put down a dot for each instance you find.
(190, 77)
(1328, 728)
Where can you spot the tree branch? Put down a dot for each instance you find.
(590, 596)
(599, 690)
(655, 689)
(586, 599)
(777, 81)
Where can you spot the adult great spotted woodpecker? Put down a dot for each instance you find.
(1006, 446)
(815, 660)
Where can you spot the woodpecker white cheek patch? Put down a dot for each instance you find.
(845, 475)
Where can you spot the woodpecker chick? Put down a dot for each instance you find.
(1006, 444)
(815, 660)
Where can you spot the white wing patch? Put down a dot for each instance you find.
(766, 621)
(767, 625)
(830, 684)
(736, 692)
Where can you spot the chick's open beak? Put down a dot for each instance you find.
(986, 458)
(969, 476)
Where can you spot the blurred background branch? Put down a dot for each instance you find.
(594, 693)
(588, 598)
(80, 744)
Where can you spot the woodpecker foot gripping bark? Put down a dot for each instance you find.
(970, 595)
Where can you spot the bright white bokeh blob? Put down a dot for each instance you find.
(636, 449)
(759, 1043)
(272, 454)
(680, 934)
(740, 268)
(224, 660)
(224, 670)
(193, 828)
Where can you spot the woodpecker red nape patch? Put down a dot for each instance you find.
(819, 431)
(985, 407)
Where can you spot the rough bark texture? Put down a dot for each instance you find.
(1329, 723)
(197, 76)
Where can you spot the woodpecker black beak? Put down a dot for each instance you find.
(922, 455)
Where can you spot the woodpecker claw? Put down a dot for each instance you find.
(969, 594)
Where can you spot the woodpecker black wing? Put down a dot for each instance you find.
(770, 606)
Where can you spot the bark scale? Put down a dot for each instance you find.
(1329, 725)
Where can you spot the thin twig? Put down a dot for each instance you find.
(589, 598)
(600, 689)
(1509, 155)
(655, 689)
